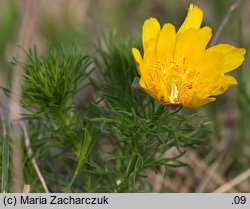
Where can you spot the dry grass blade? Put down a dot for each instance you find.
(33, 160)
(3, 123)
(237, 180)
(224, 22)
(26, 32)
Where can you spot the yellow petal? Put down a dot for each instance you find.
(143, 84)
(190, 45)
(166, 43)
(137, 58)
(223, 84)
(193, 19)
(204, 36)
(184, 46)
(137, 55)
(150, 51)
(149, 57)
(208, 65)
(232, 56)
(150, 30)
(200, 102)
(229, 80)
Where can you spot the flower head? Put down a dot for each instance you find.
(178, 69)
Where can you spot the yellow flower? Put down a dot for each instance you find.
(177, 69)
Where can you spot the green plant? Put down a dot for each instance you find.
(139, 129)
(109, 144)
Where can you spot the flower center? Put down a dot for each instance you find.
(172, 84)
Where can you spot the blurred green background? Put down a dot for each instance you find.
(82, 22)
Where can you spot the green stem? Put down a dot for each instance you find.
(87, 145)
(160, 109)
